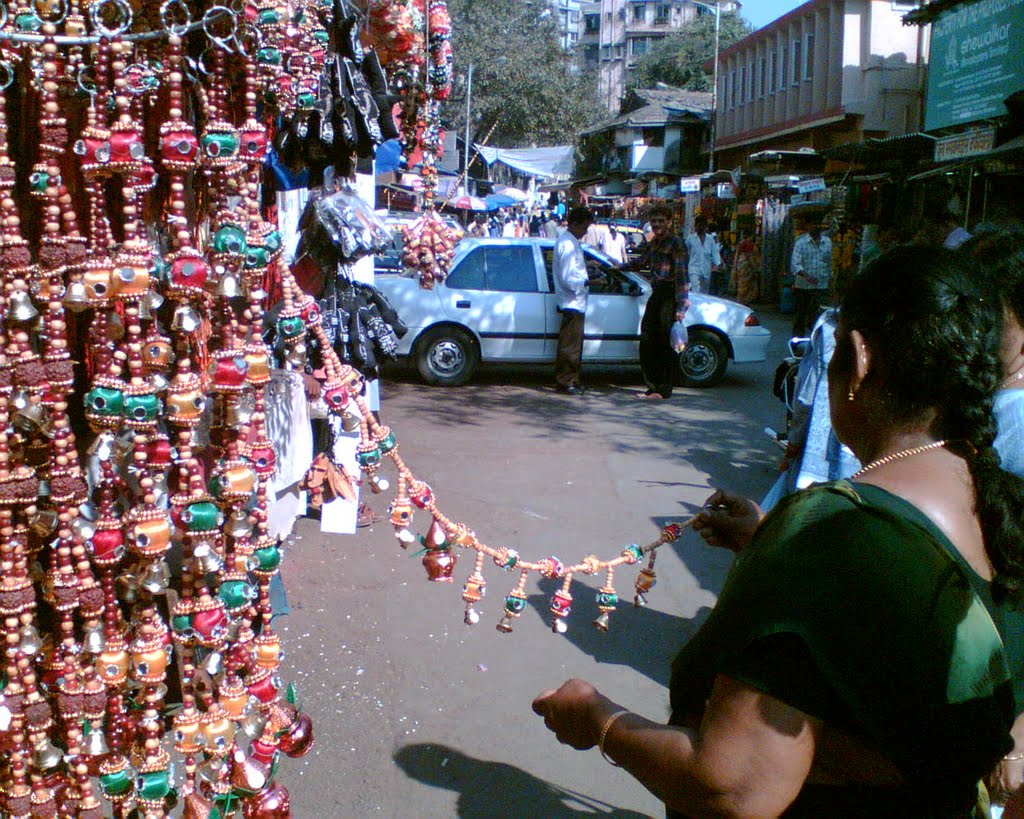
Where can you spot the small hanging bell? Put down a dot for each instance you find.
(31, 418)
(128, 587)
(238, 413)
(157, 577)
(94, 640)
(186, 320)
(47, 755)
(228, 286)
(75, 298)
(349, 421)
(213, 664)
(20, 306)
(296, 356)
(239, 524)
(602, 621)
(472, 616)
(96, 743)
(153, 300)
(207, 558)
(43, 521)
(29, 640)
(252, 724)
(82, 529)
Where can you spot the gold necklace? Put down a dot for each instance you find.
(897, 456)
(1017, 376)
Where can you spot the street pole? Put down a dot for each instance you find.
(714, 89)
(469, 108)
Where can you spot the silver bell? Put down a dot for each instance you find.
(186, 320)
(252, 724)
(228, 286)
(157, 577)
(75, 298)
(96, 743)
(29, 640)
(47, 755)
(43, 521)
(20, 306)
(94, 641)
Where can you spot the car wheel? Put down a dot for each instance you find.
(446, 356)
(703, 362)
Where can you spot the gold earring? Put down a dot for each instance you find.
(850, 395)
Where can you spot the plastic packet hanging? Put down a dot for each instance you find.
(678, 336)
(349, 224)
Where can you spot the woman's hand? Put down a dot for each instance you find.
(1005, 779)
(728, 520)
(575, 713)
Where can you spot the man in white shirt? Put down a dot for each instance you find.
(615, 244)
(704, 256)
(551, 227)
(570, 276)
(811, 266)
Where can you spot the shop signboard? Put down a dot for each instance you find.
(975, 62)
(810, 185)
(689, 184)
(970, 143)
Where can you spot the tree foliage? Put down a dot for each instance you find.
(679, 58)
(525, 85)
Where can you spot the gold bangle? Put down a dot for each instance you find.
(604, 733)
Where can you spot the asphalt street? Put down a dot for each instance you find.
(418, 715)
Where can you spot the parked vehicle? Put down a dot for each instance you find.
(498, 305)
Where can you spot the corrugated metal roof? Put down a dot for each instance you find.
(662, 105)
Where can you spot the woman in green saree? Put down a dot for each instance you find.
(866, 655)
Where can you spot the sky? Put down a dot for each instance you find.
(762, 12)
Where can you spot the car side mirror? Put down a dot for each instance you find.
(634, 289)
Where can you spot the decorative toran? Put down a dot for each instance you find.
(167, 305)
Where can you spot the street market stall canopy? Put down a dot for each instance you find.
(547, 163)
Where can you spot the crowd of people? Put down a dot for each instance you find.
(866, 654)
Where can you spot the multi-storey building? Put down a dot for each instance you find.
(569, 18)
(827, 73)
(628, 29)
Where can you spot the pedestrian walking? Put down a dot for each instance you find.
(811, 266)
(745, 271)
(570, 275)
(664, 257)
(705, 256)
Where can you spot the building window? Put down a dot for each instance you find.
(663, 13)
(639, 46)
(639, 13)
(783, 68)
(606, 51)
(796, 61)
(622, 15)
(809, 56)
(740, 82)
(771, 71)
(750, 80)
(732, 88)
(590, 53)
(653, 137)
(761, 78)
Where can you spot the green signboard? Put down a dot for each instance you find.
(975, 62)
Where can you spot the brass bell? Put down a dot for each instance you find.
(96, 743)
(75, 298)
(349, 421)
(186, 320)
(47, 755)
(157, 577)
(238, 413)
(29, 640)
(20, 306)
(30, 419)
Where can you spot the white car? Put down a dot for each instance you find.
(498, 304)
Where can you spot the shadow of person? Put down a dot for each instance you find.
(495, 789)
(663, 634)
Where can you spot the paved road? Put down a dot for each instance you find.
(419, 716)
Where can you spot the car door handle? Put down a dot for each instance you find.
(463, 304)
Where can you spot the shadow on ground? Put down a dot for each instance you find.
(494, 789)
(662, 634)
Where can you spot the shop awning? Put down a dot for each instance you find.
(905, 147)
(554, 161)
(1006, 151)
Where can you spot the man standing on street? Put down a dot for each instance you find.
(704, 256)
(551, 226)
(570, 274)
(665, 257)
(615, 244)
(811, 266)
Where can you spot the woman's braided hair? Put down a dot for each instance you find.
(937, 331)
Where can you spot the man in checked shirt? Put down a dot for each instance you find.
(811, 265)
